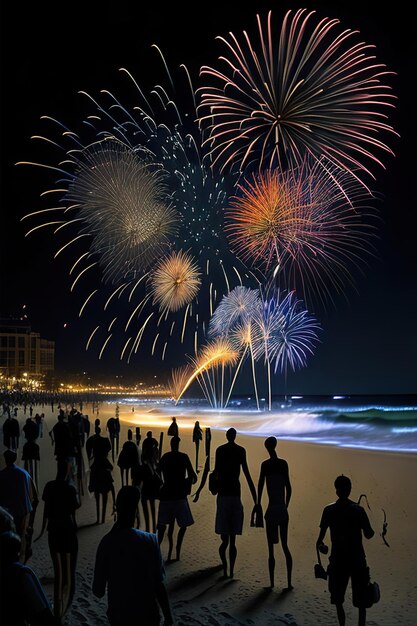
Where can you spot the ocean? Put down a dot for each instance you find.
(368, 422)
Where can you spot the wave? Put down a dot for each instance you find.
(350, 423)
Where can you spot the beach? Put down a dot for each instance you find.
(197, 593)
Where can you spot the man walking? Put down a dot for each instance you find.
(178, 476)
(230, 457)
(129, 563)
(347, 521)
(275, 472)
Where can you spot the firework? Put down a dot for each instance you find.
(178, 379)
(309, 225)
(217, 353)
(286, 332)
(312, 87)
(123, 203)
(150, 136)
(175, 282)
(235, 307)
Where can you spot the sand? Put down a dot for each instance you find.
(198, 594)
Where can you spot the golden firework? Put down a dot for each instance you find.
(178, 379)
(175, 282)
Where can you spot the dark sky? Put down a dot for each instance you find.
(49, 53)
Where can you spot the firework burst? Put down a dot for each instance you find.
(309, 224)
(175, 282)
(123, 203)
(122, 151)
(235, 307)
(286, 332)
(312, 87)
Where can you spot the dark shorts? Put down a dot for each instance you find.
(229, 515)
(338, 581)
(171, 511)
(275, 517)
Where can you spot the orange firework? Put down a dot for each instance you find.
(217, 353)
(307, 224)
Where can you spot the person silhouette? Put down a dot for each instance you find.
(61, 501)
(274, 471)
(30, 429)
(39, 419)
(85, 432)
(178, 475)
(197, 437)
(11, 433)
(61, 438)
(113, 426)
(128, 457)
(30, 457)
(18, 494)
(129, 563)
(173, 428)
(346, 520)
(150, 451)
(101, 479)
(22, 598)
(230, 457)
(146, 477)
(30, 451)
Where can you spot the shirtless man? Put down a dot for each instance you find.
(275, 472)
(230, 458)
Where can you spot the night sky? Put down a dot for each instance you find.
(369, 338)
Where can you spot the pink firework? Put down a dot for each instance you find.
(306, 89)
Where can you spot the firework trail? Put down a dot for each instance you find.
(233, 319)
(310, 226)
(178, 379)
(305, 87)
(218, 353)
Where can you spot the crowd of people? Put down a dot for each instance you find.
(129, 563)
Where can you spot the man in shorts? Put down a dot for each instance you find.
(178, 476)
(275, 472)
(230, 457)
(347, 521)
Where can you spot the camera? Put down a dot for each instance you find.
(320, 572)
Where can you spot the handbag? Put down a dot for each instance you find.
(372, 594)
(213, 483)
(319, 571)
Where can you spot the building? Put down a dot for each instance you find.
(23, 352)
